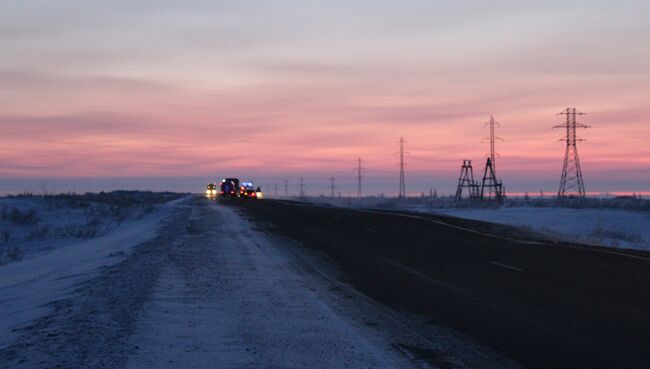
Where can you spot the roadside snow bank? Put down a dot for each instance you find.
(608, 227)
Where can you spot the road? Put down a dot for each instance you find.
(218, 289)
(544, 304)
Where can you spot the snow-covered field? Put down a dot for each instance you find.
(33, 225)
(47, 268)
(608, 227)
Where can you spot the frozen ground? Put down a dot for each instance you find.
(197, 285)
(32, 225)
(609, 227)
(50, 270)
(242, 304)
(615, 222)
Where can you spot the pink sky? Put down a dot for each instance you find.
(156, 89)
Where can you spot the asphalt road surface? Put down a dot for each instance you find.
(544, 304)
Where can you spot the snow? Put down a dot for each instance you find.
(198, 285)
(29, 286)
(235, 296)
(255, 311)
(607, 227)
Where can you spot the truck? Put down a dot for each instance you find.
(230, 187)
(211, 189)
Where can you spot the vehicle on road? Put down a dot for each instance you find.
(211, 189)
(247, 190)
(230, 187)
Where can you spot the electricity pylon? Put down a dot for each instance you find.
(302, 188)
(358, 170)
(492, 184)
(402, 182)
(466, 180)
(490, 181)
(571, 182)
(492, 123)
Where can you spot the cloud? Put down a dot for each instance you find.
(161, 87)
(22, 79)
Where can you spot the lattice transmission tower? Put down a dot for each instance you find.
(571, 182)
(490, 182)
(466, 180)
(359, 169)
(492, 124)
(402, 181)
(302, 188)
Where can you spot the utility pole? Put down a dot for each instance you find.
(286, 188)
(571, 182)
(332, 186)
(275, 189)
(359, 169)
(402, 184)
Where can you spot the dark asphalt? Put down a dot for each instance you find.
(543, 304)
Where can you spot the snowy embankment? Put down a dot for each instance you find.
(607, 227)
(50, 246)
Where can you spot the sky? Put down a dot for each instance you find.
(173, 94)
